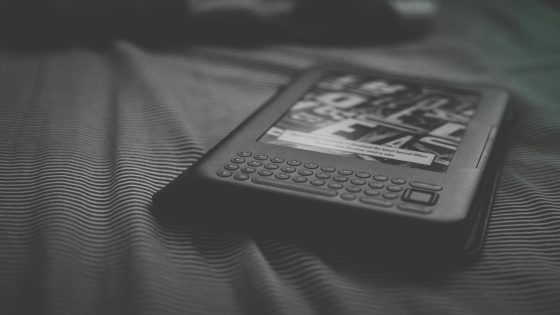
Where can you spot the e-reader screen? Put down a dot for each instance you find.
(378, 119)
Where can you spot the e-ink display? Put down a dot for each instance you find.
(377, 119)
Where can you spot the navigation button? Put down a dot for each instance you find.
(427, 186)
(414, 208)
(376, 202)
(420, 196)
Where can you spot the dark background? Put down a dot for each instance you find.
(102, 103)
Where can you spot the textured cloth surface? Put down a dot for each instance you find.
(89, 133)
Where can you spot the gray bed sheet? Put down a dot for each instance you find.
(88, 134)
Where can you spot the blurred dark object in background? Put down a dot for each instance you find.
(230, 21)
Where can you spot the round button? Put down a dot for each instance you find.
(398, 181)
(244, 154)
(345, 172)
(335, 186)
(299, 179)
(390, 196)
(363, 174)
(323, 176)
(238, 160)
(305, 172)
(265, 173)
(223, 173)
(371, 192)
(317, 182)
(353, 189)
(348, 197)
(248, 170)
(241, 176)
(282, 176)
(231, 167)
(254, 163)
(294, 163)
(381, 178)
(271, 166)
(277, 160)
(261, 157)
(288, 169)
(394, 188)
(328, 169)
(358, 182)
(376, 185)
(311, 166)
(340, 179)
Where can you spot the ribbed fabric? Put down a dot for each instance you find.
(88, 134)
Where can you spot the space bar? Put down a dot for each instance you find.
(294, 187)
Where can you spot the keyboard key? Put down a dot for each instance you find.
(363, 174)
(345, 172)
(294, 163)
(380, 178)
(335, 186)
(348, 197)
(305, 172)
(238, 160)
(231, 167)
(277, 160)
(295, 187)
(265, 173)
(244, 154)
(241, 176)
(224, 173)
